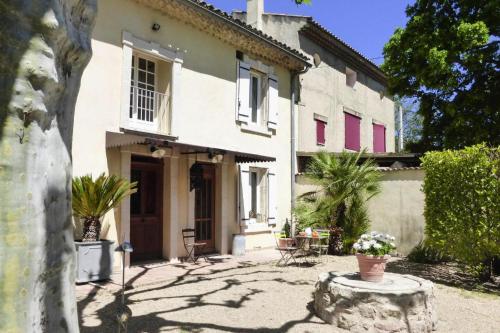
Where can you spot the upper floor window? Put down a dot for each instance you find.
(350, 77)
(320, 132)
(378, 138)
(257, 97)
(352, 129)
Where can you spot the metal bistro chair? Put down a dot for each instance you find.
(322, 244)
(287, 252)
(190, 244)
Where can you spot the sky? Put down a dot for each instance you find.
(366, 25)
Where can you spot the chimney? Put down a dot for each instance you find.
(255, 9)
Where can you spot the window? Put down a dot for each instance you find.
(350, 77)
(378, 138)
(253, 185)
(142, 88)
(320, 132)
(352, 128)
(255, 98)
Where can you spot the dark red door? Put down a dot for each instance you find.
(204, 214)
(145, 209)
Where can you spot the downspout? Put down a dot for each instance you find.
(293, 157)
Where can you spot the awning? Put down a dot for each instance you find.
(119, 139)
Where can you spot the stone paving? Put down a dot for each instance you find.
(249, 294)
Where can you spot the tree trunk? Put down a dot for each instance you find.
(91, 230)
(45, 47)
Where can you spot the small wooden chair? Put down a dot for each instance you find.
(190, 244)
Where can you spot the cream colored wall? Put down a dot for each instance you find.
(397, 210)
(206, 113)
(324, 91)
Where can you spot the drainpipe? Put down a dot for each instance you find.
(295, 76)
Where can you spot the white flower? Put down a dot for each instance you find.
(392, 244)
(366, 245)
(377, 246)
(393, 238)
(356, 246)
(364, 236)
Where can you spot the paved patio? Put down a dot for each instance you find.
(248, 294)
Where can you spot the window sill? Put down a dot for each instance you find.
(255, 129)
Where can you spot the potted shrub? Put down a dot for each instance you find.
(92, 199)
(372, 252)
(286, 240)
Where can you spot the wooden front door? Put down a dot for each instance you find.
(146, 209)
(204, 213)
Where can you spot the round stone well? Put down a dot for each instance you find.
(400, 303)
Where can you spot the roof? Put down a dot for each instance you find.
(198, 13)
(334, 44)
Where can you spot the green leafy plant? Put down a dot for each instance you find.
(375, 244)
(286, 229)
(462, 205)
(344, 184)
(425, 254)
(92, 199)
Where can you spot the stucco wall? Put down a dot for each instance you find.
(398, 210)
(324, 92)
(205, 115)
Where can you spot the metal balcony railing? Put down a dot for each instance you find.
(149, 110)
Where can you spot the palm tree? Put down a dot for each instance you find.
(93, 199)
(344, 186)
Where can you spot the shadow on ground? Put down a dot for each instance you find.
(450, 274)
(153, 321)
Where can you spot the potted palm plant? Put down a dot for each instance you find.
(372, 252)
(345, 183)
(92, 199)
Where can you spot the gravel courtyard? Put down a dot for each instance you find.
(246, 296)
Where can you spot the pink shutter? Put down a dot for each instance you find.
(378, 138)
(352, 132)
(320, 132)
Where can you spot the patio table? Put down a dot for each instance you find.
(304, 244)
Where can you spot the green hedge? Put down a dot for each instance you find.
(462, 204)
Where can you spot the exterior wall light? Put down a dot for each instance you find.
(155, 27)
(157, 152)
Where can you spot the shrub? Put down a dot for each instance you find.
(425, 254)
(462, 204)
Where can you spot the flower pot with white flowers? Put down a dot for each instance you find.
(372, 252)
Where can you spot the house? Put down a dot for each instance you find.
(195, 106)
(343, 103)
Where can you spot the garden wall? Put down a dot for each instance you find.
(397, 210)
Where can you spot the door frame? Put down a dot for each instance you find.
(150, 163)
(213, 170)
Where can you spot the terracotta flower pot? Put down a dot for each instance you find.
(285, 242)
(371, 268)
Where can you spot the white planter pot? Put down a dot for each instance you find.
(94, 260)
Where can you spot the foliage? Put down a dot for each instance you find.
(447, 57)
(343, 187)
(425, 254)
(92, 199)
(412, 124)
(375, 244)
(286, 229)
(462, 204)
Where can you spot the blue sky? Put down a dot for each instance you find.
(366, 25)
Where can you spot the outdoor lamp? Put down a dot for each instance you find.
(157, 152)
